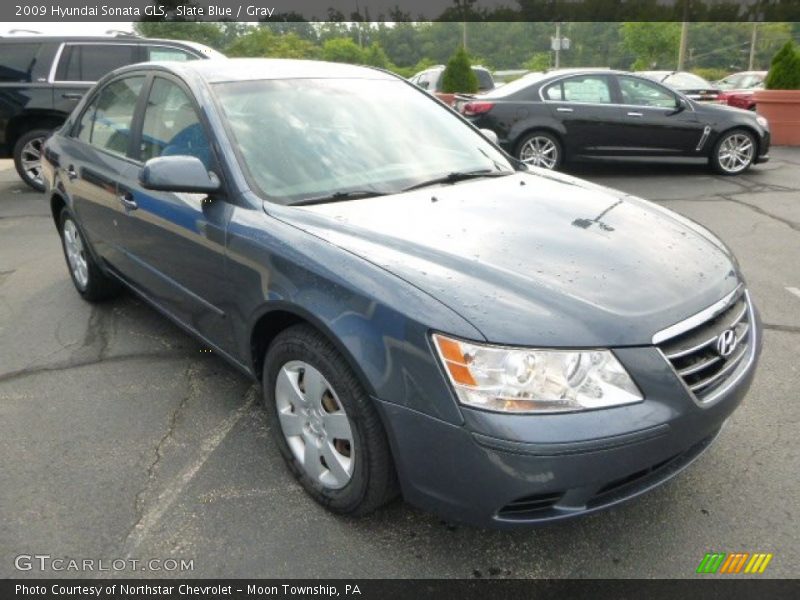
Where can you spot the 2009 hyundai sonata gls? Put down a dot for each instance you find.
(503, 346)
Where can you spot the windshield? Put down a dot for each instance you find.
(687, 81)
(301, 139)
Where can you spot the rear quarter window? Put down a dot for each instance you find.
(17, 61)
(90, 62)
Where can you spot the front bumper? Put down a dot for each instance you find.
(502, 471)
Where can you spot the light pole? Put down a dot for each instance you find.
(753, 39)
(557, 44)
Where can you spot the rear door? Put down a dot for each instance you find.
(80, 64)
(652, 123)
(95, 158)
(584, 104)
(175, 242)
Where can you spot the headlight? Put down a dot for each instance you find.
(762, 121)
(525, 380)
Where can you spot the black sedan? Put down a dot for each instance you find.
(546, 118)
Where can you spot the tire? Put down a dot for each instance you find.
(27, 157)
(92, 284)
(739, 162)
(540, 149)
(363, 476)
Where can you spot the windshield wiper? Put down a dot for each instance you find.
(457, 176)
(339, 196)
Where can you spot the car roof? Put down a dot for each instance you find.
(252, 69)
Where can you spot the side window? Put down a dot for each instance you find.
(554, 92)
(106, 123)
(86, 124)
(639, 92)
(167, 53)
(89, 62)
(586, 88)
(424, 81)
(17, 61)
(171, 125)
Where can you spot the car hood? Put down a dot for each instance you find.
(535, 259)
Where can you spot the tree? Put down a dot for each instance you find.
(540, 61)
(653, 44)
(342, 50)
(458, 76)
(784, 72)
(210, 34)
(262, 42)
(376, 57)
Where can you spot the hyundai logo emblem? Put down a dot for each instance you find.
(726, 343)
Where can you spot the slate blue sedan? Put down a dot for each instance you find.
(427, 316)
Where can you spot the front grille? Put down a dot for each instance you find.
(695, 356)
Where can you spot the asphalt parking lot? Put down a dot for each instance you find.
(121, 437)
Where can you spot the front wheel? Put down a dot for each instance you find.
(733, 153)
(325, 425)
(28, 157)
(540, 149)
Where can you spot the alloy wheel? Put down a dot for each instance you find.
(735, 153)
(315, 424)
(76, 255)
(31, 160)
(539, 151)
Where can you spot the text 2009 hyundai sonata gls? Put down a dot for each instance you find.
(502, 346)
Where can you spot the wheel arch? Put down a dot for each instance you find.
(28, 121)
(275, 318)
(735, 127)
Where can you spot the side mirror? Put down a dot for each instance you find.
(681, 104)
(178, 174)
(488, 133)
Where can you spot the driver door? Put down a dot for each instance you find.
(652, 123)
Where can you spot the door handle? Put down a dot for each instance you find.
(126, 198)
(564, 109)
(72, 96)
(634, 114)
(72, 174)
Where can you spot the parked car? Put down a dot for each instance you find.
(738, 98)
(431, 81)
(690, 85)
(503, 345)
(745, 80)
(42, 78)
(737, 89)
(544, 119)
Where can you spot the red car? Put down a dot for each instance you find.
(737, 89)
(738, 98)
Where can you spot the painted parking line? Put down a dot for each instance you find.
(793, 290)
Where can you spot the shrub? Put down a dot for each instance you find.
(458, 77)
(784, 71)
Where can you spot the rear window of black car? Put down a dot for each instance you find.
(17, 61)
(89, 62)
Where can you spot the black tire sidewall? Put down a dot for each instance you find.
(715, 152)
(541, 133)
(17, 153)
(302, 343)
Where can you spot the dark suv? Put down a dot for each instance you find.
(42, 78)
